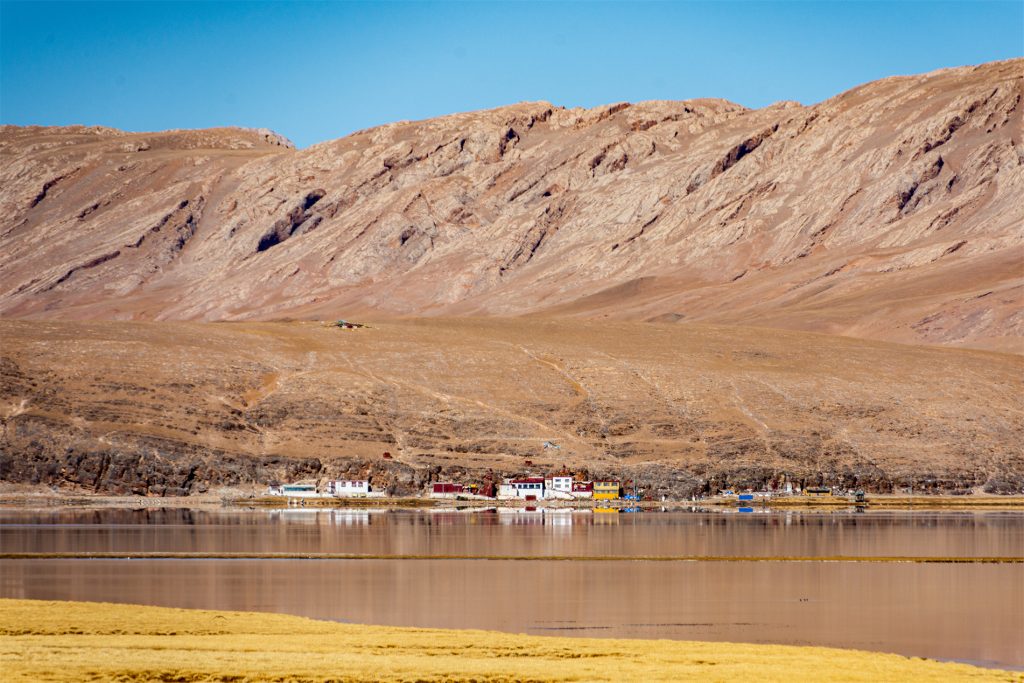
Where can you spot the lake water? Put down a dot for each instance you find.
(969, 612)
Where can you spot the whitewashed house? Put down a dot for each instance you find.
(530, 488)
(558, 487)
(345, 488)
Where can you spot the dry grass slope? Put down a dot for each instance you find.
(77, 641)
(180, 408)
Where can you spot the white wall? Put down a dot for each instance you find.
(344, 488)
(513, 492)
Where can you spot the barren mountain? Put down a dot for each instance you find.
(642, 285)
(176, 408)
(892, 211)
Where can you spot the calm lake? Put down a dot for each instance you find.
(969, 612)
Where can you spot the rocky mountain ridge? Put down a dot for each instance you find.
(891, 211)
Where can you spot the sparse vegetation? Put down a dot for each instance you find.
(165, 409)
(76, 641)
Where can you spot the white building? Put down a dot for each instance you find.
(294, 491)
(530, 488)
(558, 487)
(345, 488)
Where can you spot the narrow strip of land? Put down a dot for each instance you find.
(75, 641)
(516, 558)
(981, 503)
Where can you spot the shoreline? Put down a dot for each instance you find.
(239, 500)
(144, 555)
(63, 641)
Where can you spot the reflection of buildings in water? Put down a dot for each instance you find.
(554, 520)
(459, 516)
(301, 516)
(530, 516)
(360, 517)
(606, 516)
(478, 516)
(446, 517)
(350, 517)
(558, 521)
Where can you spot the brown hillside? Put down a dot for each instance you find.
(892, 211)
(173, 408)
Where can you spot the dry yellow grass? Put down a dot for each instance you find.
(78, 641)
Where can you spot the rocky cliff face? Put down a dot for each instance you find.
(892, 211)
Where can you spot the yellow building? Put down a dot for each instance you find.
(606, 490)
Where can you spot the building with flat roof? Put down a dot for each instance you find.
(294, 490)
(558, 487)
(530, 488)
(347, 488)
(606, 490)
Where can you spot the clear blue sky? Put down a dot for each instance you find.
(316, 71)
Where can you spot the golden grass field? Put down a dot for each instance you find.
(80, 641)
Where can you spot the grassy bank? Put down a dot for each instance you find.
(74, 641)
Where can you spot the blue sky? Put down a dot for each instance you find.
(317, 71)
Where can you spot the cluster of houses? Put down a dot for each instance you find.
(558, 487)
(561, 487)
(336, 488)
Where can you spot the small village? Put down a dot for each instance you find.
(561, 487)
(556, 490)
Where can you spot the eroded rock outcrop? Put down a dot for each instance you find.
(891, 211)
